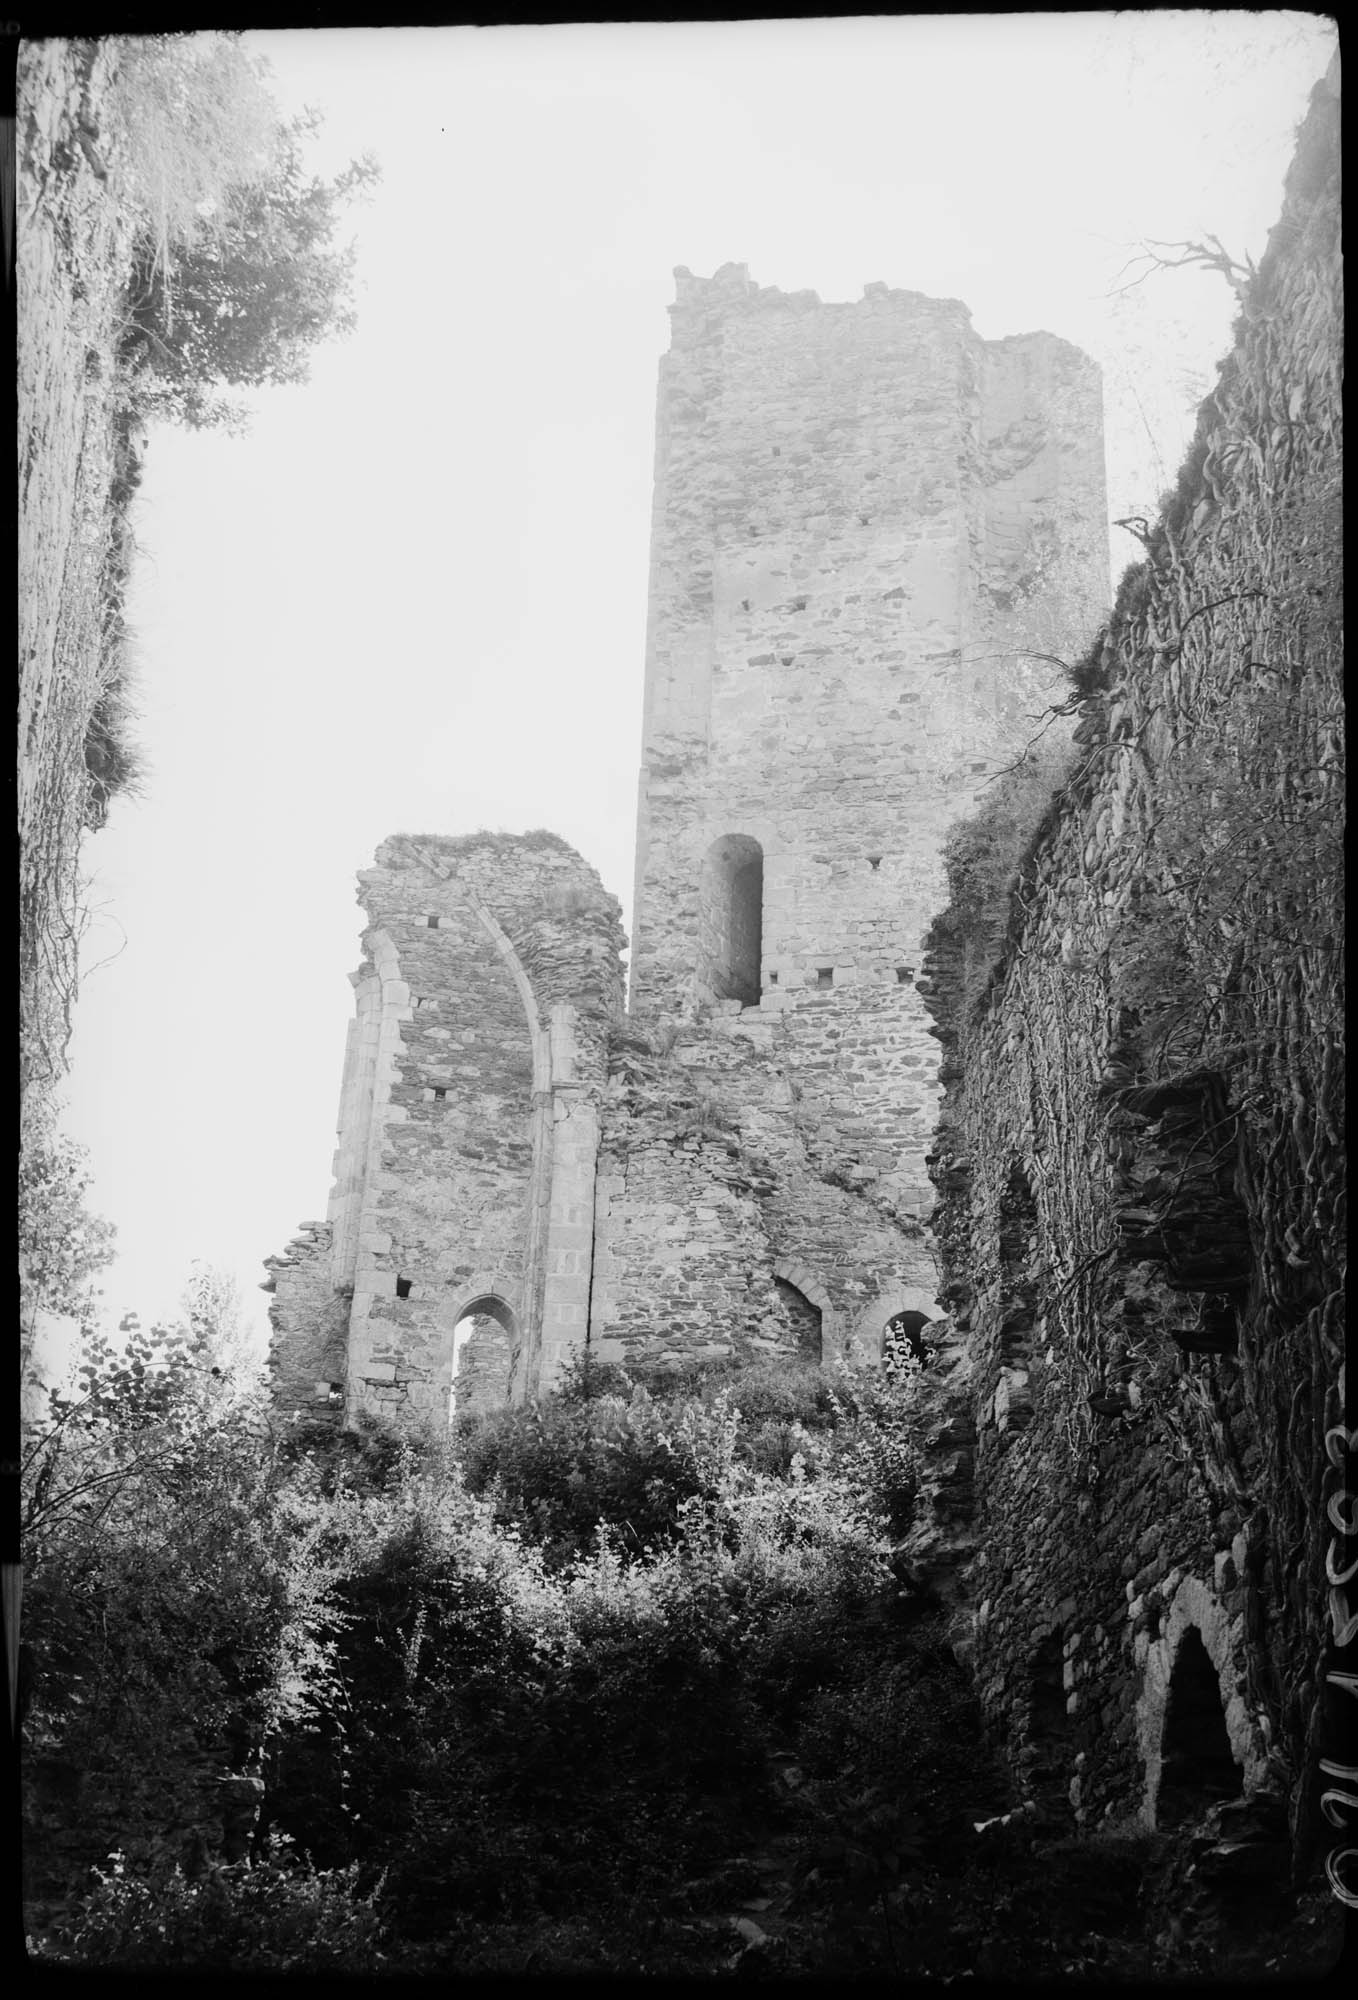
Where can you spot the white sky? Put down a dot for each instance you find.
(414, 598)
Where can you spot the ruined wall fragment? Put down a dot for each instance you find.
(464, 1172)
(1138, 1165)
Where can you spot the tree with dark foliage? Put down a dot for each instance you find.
(248, 299)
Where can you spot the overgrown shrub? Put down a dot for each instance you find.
(115, 767)
(236, 274)
(560, 1471)
(534, 1712)
(176, 1607)
(278, 1915)
(62, 1246)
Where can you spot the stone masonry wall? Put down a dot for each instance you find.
(464, 1174)
(719, 1196)
(308, 1346)
(863, 513)
(1139, 1162)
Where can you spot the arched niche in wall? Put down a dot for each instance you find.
(795, 1282)
(1048, 1725)
(802, 1317)
(731, 919)
(903, 1338)
(1013, 1406)
(909, 1306)
(1184, 1697)
(1197, 1765)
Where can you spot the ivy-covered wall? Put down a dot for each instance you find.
(1138, 1165)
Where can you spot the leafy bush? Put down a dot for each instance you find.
(235, 274)
(543, 1710)
(279, 1915)
(560, 1471)
(61, 1245)
(176, 1606)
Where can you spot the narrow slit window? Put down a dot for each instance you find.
(773, 979)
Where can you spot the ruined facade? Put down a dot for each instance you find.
(868, 523)
(468, 1132)
(1139, 1163)
(872, 533)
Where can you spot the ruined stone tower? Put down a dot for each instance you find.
(863, 512)
(874, 534)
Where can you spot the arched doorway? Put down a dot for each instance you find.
(731, 918)
(485, 1337)
(903, 1344)
(889, 1329)
(1197, 1765)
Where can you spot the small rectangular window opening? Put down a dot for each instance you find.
(432, 922)
(825, 975)
(403, 1288)
(773, 979)
(904, 974)
(440, 1093)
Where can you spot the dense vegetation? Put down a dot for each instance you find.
(629, 1681)
(235, 271)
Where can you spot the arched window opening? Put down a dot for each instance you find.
(1051, 1735)
(903, 1340)
(1019, 1296)
(802, 1317)
(730, 919)
(483, 1354)
(1197, 1768)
